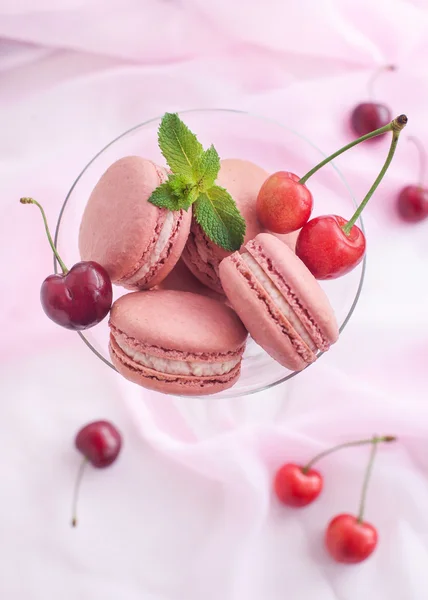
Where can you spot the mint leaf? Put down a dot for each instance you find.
(163, 197)
(178, 145)
(217, 214)
(180, 185)
(192, 196)
(184, 189)
(206, 169)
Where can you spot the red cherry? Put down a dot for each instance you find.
(331, 246)
(296, 486)
(78, 299)
(283, 204)
(369, 116)
(327, 250)
(100, 443)
(412, 203)
(350, 541)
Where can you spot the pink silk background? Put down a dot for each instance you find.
(187, 512)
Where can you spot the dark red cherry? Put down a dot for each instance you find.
(78, 298)
(371, 115)
(412, 203)
(368, 116)
(100, 442)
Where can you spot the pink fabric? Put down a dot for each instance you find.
(187, 512)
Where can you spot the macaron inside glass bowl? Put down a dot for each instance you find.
(136, 242)
(176, 342)
(243, 180)
(280, 302)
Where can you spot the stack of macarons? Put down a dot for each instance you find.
(183, 326)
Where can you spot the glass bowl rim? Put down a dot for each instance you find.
(240, 113)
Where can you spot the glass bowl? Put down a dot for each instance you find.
(235, 134)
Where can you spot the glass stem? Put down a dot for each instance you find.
(48, 233)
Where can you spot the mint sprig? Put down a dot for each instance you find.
(192, 181)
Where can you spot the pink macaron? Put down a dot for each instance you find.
(136, 242)
(243, 180)
(279, 301)
(176, 342)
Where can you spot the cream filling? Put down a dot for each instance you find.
(178, 367)
(161, 244)
(278, 298)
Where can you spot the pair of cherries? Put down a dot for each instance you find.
(329, 245)
(348, 538)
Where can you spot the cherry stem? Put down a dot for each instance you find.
(375, 76)
(373, 440)
(48, 233)
(363, 138)
(422, 158)
(76, 491)
(397, 125)
(366, 482)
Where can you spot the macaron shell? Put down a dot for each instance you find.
(174, 252)
(180, 321)
(201, 258)
(259, 317)
(119, 224)
(268, 251)
(170, 384)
